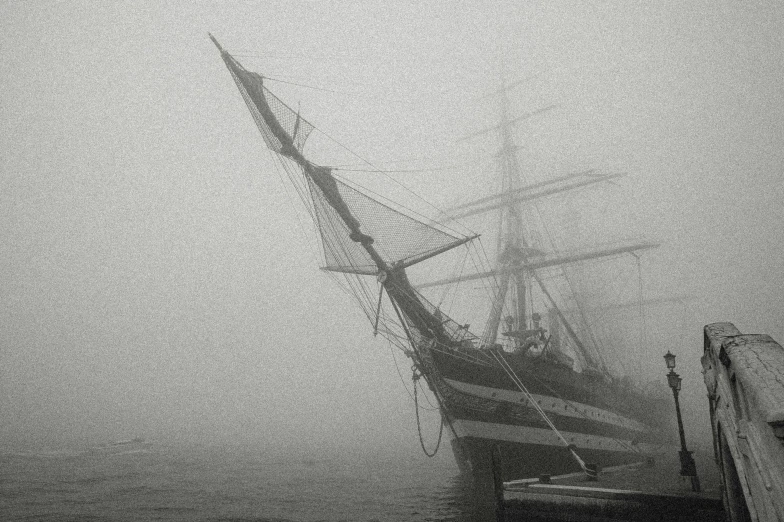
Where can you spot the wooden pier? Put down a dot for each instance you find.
(645, 491)
(744, 375)
(743, 481)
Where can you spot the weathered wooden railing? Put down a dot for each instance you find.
(744, 375)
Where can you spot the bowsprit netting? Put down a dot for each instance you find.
(340, 210)
(280, 126)
(398, 238)
(259, 97)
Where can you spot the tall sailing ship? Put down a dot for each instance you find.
(538, 386)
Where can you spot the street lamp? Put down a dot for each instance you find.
(674, 380)
(669, 360)
(688, 467)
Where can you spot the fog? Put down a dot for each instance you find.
(158, 277)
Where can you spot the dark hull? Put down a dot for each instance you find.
(607, 423)
(515, 461)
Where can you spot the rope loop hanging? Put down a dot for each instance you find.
(415, 377)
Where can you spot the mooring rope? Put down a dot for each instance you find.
(516, 380)
(618, 440)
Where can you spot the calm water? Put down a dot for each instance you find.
(172, 483)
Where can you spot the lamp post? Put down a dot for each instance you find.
(688, 467)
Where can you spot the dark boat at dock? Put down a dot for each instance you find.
(543, 383)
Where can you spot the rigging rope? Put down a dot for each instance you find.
(428, 400)
(555, 393)
(516, 380)
(642, 313)
(415, 378)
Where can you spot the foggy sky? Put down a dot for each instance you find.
(158, 278)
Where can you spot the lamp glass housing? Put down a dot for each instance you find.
(669, 360)
(674, 380)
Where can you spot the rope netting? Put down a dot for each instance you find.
(398, 238)
(261, 102)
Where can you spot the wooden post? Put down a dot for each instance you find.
(498, 484)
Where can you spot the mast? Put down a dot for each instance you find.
(321, 176)
(511, 237)
(285, 132)
(514, 238)
(520, 253)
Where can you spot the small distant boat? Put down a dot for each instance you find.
(122, 446)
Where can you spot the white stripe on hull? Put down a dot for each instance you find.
(550, 405)
(545, 436)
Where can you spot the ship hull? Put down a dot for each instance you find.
(531, 429)
(522, 460)
(525, 459)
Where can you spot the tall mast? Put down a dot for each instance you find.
(512, 240)
(519, 253)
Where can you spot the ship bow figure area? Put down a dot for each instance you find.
(534, 384)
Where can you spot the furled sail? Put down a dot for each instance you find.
(281, 127)
(359, 234)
